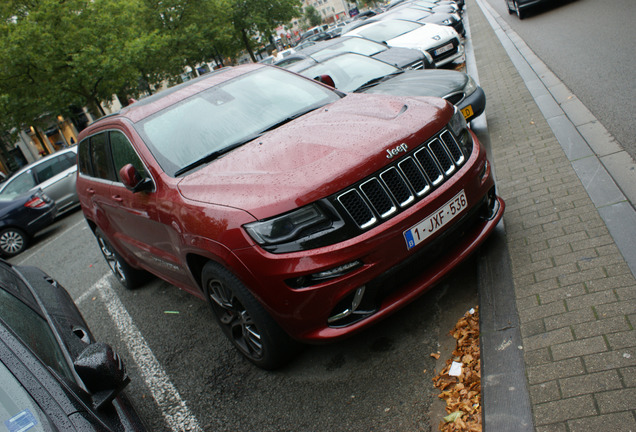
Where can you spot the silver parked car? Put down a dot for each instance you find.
(54, 174)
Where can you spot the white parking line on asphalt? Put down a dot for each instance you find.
(174, 409)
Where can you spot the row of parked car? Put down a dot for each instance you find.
(303, 207)
(400, 51)
(32, 197)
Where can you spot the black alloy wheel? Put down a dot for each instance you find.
(128, 276)
(244, 321)
(13, 241)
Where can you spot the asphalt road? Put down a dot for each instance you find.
(589, 45)
(185, 375)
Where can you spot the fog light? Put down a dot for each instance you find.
(335, 272)
(484, 171)
(315, 278)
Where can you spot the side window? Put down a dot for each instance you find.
(100, 157)
(124, 153)
(69, 160)
(84, 157)
(20, 184)
(52, 167)
(34, 332)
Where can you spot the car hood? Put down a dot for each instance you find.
(315, 155)
(425, 37)
(400, 57)
(437, 82)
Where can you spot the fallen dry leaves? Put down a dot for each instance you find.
(462, 393)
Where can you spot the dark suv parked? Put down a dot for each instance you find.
(299, 212)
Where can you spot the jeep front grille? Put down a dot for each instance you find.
(404, 182)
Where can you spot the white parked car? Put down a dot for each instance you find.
(54, 174)
(441, 42)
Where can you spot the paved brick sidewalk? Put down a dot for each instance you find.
(575, 295)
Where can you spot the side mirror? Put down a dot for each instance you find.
(103, 373)
(133, 180)
(326, 79)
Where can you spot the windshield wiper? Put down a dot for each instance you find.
(290, 118)
(218, 153)
(375, 81)
(214, 155)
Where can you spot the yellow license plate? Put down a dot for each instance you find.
(468, 111)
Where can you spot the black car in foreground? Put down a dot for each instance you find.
(22, 215)
(404, 58)
(356, 73)
(54, 375)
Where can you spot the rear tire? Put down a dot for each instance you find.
(244, 321)
(13, 241)
(128, 276)
(510, 11)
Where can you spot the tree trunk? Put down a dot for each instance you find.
(246, 41)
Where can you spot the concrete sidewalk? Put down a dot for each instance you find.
(570, 233)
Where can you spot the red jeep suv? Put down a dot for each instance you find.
(299, 212)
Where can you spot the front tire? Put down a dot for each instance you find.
(13, 241)
(244, 321)
(128, 276)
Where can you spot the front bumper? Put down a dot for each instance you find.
(391, 274)
(452, 58)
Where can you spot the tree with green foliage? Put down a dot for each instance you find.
(312, 16)
(54, 54)
(254, 19)
(60, 53)
(191, 31)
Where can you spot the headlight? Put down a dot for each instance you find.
(428, 56)
(309, 227)
(459, 128)
(287, 227)
(470, 86)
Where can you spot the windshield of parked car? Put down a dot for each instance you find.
(19, 411)
(408, 14)
(353, 45)
(351, 71)
(386, 30)
(227, 115)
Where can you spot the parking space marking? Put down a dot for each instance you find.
(174, 409)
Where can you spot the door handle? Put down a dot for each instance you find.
(117, 198)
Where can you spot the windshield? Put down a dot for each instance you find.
(350, 71)
(18, 410)
(386, 30)
(228, 114)
(354, 45)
